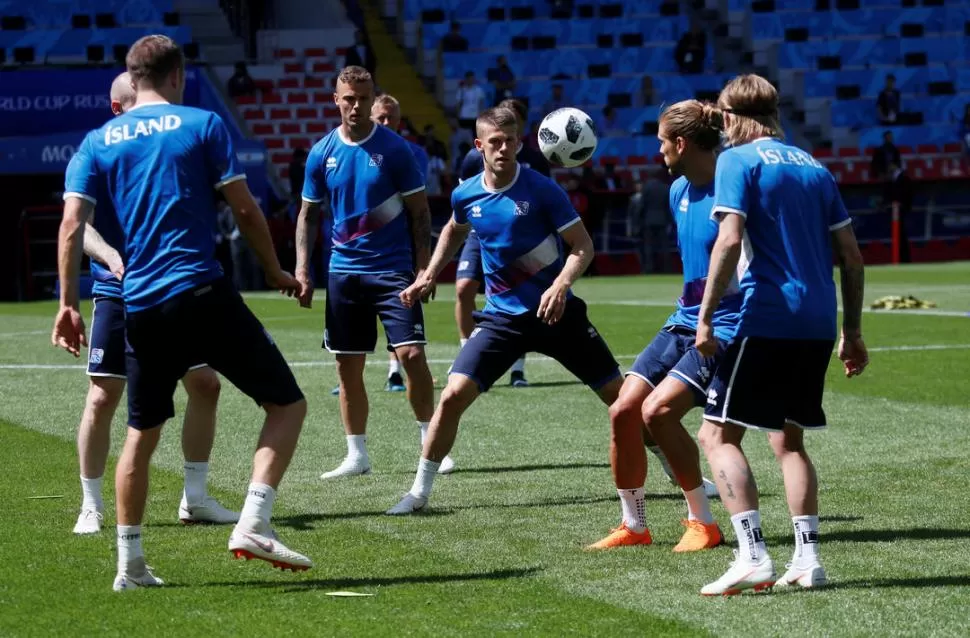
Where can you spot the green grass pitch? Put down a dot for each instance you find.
(500, 552)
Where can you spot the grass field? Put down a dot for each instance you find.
(500, 552)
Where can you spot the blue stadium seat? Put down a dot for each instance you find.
(69, 43)
(864, 22)
(478, 10)
(57, 13)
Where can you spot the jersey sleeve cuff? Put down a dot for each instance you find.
(311, 200)
(75, 195)
(571, 222)
(721, 210)
(412, 191)
(230, 180)
(841, 224)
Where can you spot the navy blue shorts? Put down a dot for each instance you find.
(355, 302)
(766, 383)
(499, 340)
(107, 345)
(672, 353)
(470, 260)
(209, 323)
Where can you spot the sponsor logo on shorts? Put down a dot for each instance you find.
(592, 332)
(418, 328)
(712, 397)
(376, 160)
(521, 209)
(463, 265)
(704, 374)
(474, 332)
(96, 356)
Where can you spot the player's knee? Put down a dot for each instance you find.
(465, 291)
(203, 384)
(411, 357)
(625, 414)
(788, 442)
(655, 413)
(291, 412)
(709, 437)
(456, 397)
(105, 393)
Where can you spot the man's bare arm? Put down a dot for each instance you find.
(98, 249)
(453, 235)
(70, 243)
(724, 264)
(580, 254)
(419, 213)
(853, 279)
(307, 227)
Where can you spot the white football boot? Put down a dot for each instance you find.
(253, 538)
(351, 466)
(136, 574)
(209, 511)
(742, 575)
(88, 521)
(804, 576)
(408, 505)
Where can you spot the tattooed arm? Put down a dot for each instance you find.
(852, 349)
(420, 216)
(307, 227)
(724, 262)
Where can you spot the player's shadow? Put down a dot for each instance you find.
(885, 535)
(529, 468)
(384, 581)
(305, 521)
(917, 582)
(544, 384)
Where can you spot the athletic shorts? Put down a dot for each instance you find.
(209, 323)
(355, 302)
(470, 260)
(106, 347)
(765, 383)
(672, 353)
(499, 340)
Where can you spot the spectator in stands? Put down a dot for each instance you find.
(431, 143)
(556, 102)
(503, 79)
(469, 101)
(609, 126)
(241, 83)
(649, 219)
(888, 101)
(459, 155)
(438, 177)
(454, 41)
(361, 54)
(561, 8)
(691, 51)
(297, 172)
(283, 231)
(898, 192)
(885, 156)
(610, 180)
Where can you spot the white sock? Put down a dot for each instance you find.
(393, 367)
(698, 507)
(519, 366)
(196, 474)
(634, 509)
(129, 545)
(751, 542)
(91, 494)
(806, 539)
(424, 431)
(357, 446)
(424, 479)
(463, 341)
(656, 451)
(259, 502)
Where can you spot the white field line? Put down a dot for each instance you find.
(24, 334)
(533, 358)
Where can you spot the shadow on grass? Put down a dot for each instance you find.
(885, 535)
(382, 581)
(304, 521)
(541, 384)
(916, 582)
(530, 468)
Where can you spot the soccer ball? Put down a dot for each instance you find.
(567, 137)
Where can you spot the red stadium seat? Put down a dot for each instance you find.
(264, 85)
(307, 114)
(263, 128)
(320, 97)
(300, 142)
(274, 143)
(952, 147)
(822, 153)
(280, 114)
(245, 100)
(294, 97)
(285, 53)
(288, 128)
(927, 149)
(288, 83)
(254, 114)
(658, 158)
(905, 150)
(316, 127)
(849, 151)
(323, 67)
(272, 98)
(331, 110)
(636, 160)
(315, 53)
(609, 159)
(294, 67)
(313, 83)
(281, 158)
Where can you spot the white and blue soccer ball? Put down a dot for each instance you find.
(567, 137)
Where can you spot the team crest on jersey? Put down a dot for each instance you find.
(97, 356)
(476, 211)
(331, 162)
(683, 205)
(521, 208)
(376, 160)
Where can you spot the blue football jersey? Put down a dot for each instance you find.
(791, 204)
(366, 182)
(105, 222)
(160, 165)
(691, 208)
(518, 226)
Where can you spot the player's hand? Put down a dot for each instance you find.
(305, 295)
(116, 266)
(286, 283)
(706, 342)
(69, 330)
(552, 304)
(431, 291)
(853, 355)
(422, 288)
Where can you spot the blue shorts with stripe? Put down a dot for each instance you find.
(672, 353)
